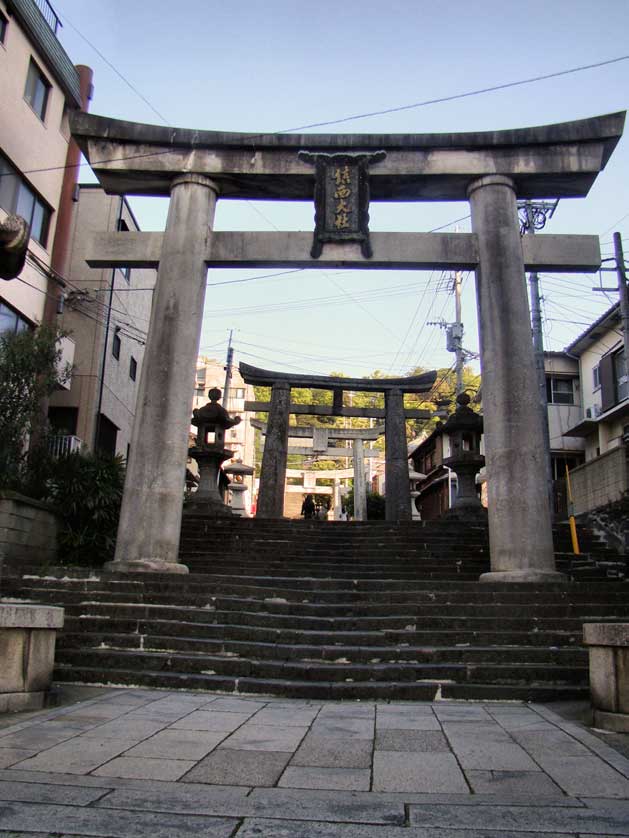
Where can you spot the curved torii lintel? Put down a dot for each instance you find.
(548, 161)
(410, 384)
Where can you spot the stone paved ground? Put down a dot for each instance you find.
(137, 762)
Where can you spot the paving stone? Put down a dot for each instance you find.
(320, 752)
(282, 715)
(347, 728)
(34, 739)
(9, 756)
(178, 744)
(347, 779)
(145, 769)
(585, 776)
(239, 768)
(394, 771)
(42, 793)
(406, 721)
(551, 742)
(521, 819)
(252, 737)
(512, 782)
(319, 806)
(27, 818)
(263, 828)
(78, 756)
(237, 705)
(493, 756)
(461, 713)
(210, 720)
(347, 711)
(411, 740)
(132, 729)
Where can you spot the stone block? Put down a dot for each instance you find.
(609, 673)
(239, 768)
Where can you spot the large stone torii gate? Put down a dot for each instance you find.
(490, 169)
(273, 473)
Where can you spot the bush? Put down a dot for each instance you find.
(375, 505)
(87, 490)
(29, 362)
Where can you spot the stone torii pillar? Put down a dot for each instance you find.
(397, 488)
(150, 518)
(274, 458)
(521, 540)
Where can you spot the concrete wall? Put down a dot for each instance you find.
(600, 481)
(30, 144)
(28, 530)
(85, 318)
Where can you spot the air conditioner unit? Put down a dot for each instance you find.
(596, 411)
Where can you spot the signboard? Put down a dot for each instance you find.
(341, 198)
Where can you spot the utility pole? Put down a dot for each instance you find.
(228, 368)
(533, 216)
(624, 297)
(458, 344)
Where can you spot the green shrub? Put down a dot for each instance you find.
(87, 490)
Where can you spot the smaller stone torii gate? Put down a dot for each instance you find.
(336, 475)
(320, 437)
(273, 472)
(342, 173)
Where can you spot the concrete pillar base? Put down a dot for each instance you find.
(616, 722)
(144, 566)
(537, 576)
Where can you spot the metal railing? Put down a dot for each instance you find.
(49, 14)
(61, 446)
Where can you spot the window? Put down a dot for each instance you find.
(133, 368)
(3, 28)
(559, 390)
(37, 90)
(622, 384)
(596, 377)
(10, 321)
(239, 393)
(115, 346)
(17, 196)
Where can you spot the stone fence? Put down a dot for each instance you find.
(600, 481)
(28, 530)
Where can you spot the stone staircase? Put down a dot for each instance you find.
(344, 610)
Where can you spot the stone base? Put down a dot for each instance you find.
(616, 722)
(529, 575)
(144, 566)
(20, 702)
(208, 506)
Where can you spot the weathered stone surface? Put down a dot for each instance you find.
(29, 818)
(411, 740)
(255, 737)
(76, 756)
(42, 793)
(606, 634)
(347, 779)
(178, 744)
(417, 772)
(325, 752)
(145, 769)
(521, 819)
(525, 783)
(239, 768)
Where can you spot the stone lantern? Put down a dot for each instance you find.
(465, 428)
(211, 421)
(415, 477)
(238, 487)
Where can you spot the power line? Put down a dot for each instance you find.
(465, 95)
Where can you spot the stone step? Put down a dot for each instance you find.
(334, 691)
(462, 653)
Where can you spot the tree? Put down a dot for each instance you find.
(29, 372)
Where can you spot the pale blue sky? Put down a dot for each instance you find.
(254, 66)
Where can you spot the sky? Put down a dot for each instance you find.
(277, 65)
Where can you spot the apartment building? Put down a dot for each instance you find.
(39, 87)
(107, 312)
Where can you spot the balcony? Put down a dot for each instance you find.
(49, 15)
(62, 446)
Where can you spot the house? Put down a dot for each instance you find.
(107, 312)
(39, 87)
(564, 408)
(602, 426)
